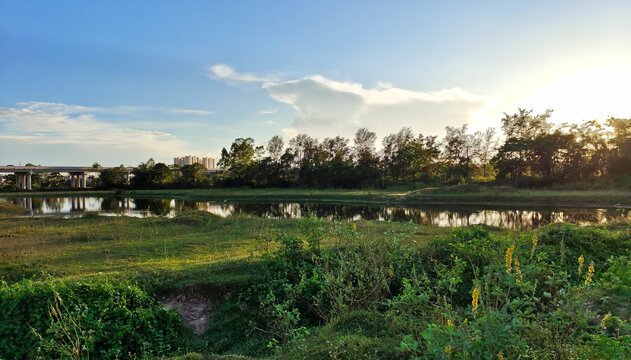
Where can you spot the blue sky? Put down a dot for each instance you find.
(122, 81)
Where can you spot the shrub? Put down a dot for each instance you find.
(99, 319)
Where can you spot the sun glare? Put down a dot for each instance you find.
(588, 93)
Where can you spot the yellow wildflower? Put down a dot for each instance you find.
(500, 356)
(535, 241)
(509, 258)
(448, 350)
(354, 227)
(581, 260)
(590, 274)
(603, 323)
(518, 277)
(476, 298)
(466, 321)
(449, 323)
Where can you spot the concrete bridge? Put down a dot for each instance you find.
(78, 174)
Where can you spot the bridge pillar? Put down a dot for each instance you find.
(76, 179)
(23, 180)
(29, 186)
(83, 180)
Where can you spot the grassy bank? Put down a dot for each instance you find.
(314, 289)
(462, 194)
(10, 209)
(157, 252)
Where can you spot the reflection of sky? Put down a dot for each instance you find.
(450, 217)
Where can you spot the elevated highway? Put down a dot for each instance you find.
(78, 174)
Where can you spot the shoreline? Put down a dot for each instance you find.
(429, 196)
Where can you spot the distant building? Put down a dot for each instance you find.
(208, 162)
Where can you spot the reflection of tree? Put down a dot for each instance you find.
(111, 204)
(37, 204)
(431, 215)
(187, 205)
(54, 204)
(160, 207)
(445, 216)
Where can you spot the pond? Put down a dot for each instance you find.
(437, 215)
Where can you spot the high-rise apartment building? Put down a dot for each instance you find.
(208, 162)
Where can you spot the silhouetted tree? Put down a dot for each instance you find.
(275, 148)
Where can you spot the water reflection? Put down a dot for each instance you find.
(444, 216)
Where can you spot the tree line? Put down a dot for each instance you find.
(532, 152)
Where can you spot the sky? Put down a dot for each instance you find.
(119, 82)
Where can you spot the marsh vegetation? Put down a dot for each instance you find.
(311, 288)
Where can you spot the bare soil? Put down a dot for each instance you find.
(194, 304)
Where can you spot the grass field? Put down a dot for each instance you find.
(464, 194)
(157, 252)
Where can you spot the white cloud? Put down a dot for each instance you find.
(327, 107)
(230, 75)
(267, 112)
(38, 125)
(190, 112)
(60, 108)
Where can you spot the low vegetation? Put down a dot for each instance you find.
(312, 288)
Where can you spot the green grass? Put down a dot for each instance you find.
(10, 209)
(155, 252)
(463, 194)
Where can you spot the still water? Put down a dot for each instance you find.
(444, 216)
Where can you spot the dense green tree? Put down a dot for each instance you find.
(161, 175)
(365, 156)
(239, 161)
(194, 175)
(459, 150)
(620, 158)
(395, 157)
(10, 180)
(141, 174)
(53, 181)
(115, 177)
(515, 158)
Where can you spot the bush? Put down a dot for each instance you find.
(473, 294)
(99, 319)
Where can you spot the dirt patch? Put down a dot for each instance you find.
(194, 304)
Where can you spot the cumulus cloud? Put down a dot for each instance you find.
(34, 126)
(327, 107)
